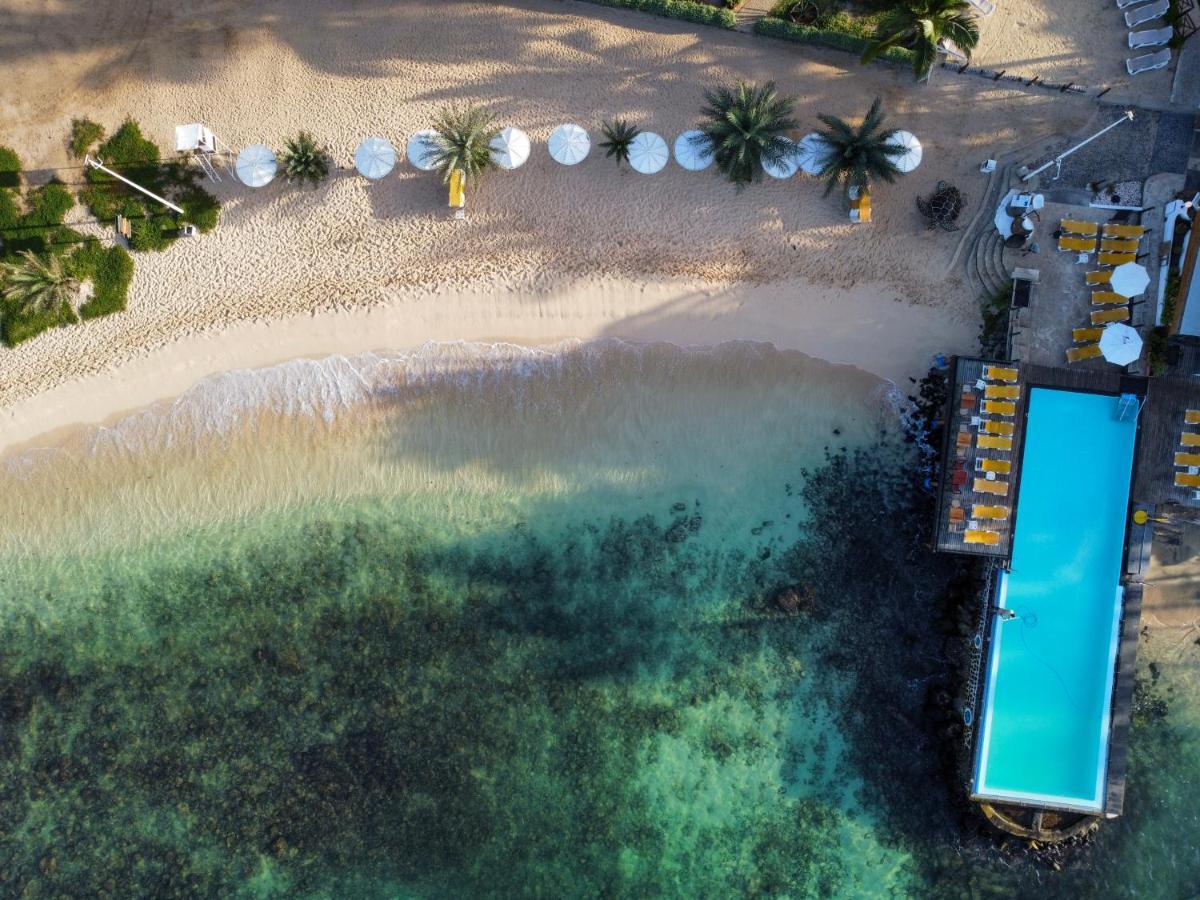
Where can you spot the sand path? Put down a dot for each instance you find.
(546, 252)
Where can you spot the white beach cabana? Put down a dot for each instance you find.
(421, 148)
(1120, 344)
(1130, 279)
(648, 153)
(374, 158)
(510, 148)
(784, 168)
(569, 144)
(813, 152)
(256, 166)
(691, 153)
(194, 137)
(911, 151)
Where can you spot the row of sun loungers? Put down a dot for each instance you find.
(1150, 37)
(1189, 460)
(1108, 229)
(1000, 392)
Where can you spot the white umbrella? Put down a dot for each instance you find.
(421, 149)
(1002, 220)
(784, 168)
(648, 153)
(1129, 279)
(910, 158)
(510, 148)
(813, 152)
(692, 153)
(256, 166)
(1120, 344)
(374, 158)
(569, 144)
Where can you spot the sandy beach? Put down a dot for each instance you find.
(546, 252)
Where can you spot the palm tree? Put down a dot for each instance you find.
(857, 156)
(745, 127)
(36, 286)
(618, 135)
(462, 141)
(920, 25)
(303, 160)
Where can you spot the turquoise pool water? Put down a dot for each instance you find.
(1049, 682)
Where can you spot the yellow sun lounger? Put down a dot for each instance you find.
(1112, 314)
(1115, 259)
(991, 426)
(1192, 417)
(1002, 392)
(990, 538)
(993, 442)
(999, 373)
(1077, 244)
(1114, 246)
(989, 512)
(1086, 351)
(1080, 335)
(1114, 230)
(1108, 298)
(1187, 459)
(1190, 439)
(1183, 479)
(999, 408)
(999, 466)
(983, 486)
(1078, 226)
(1099, 276)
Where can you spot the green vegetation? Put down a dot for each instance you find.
(10, 169)
(829, 27)
(84, 133)
(700, 13)
(858, 156)
(462, 142)
(37, 248)
(618, 135)
(993, 332)
(747, 126)
(304, 160)
(153, 227)
(1159, 339)
(921, 25)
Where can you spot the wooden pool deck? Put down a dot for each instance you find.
(1161, 409)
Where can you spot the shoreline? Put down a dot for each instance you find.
(888, 340)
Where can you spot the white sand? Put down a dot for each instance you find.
(546, 253)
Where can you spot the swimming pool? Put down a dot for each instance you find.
(1044, 730)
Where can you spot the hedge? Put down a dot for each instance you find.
(110, 270)
(700, 13)
(838, 40)
(10, 168)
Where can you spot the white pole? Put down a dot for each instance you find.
(96, 164)
(1057, 161)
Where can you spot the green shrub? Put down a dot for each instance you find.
(838, 40)
(18, 327)
(39, 228)
(10, 215)
(200, 207)
(84, 133)
(49, 204)
(10, 168)
(151, 233)
(677, 9)
(110, 269)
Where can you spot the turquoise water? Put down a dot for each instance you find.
(486, 621)
(1049, 688)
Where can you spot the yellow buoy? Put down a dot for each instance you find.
(1141, 517)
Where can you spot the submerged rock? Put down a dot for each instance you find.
(793, 598)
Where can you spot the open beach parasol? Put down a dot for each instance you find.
(692, 152)
(1130, 279)
(374, 158)
(569, 144)
(648, 153)
(256, 166)
(510, 148)
(422, 147)
(910, 157)
(1120, 344)
(783, 168)
(813, 153)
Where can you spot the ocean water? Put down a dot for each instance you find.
(490, 621)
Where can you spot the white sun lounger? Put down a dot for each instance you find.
(986, 7)
(1149, 62)
(1142, 14)
(1152, 37)
(1125, 4)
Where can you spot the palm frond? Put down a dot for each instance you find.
(745, 126)
(618, 135)
(462, 142)
(858, 156)
(35, 285)
(304, 160)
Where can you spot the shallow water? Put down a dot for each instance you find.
(484, 621)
